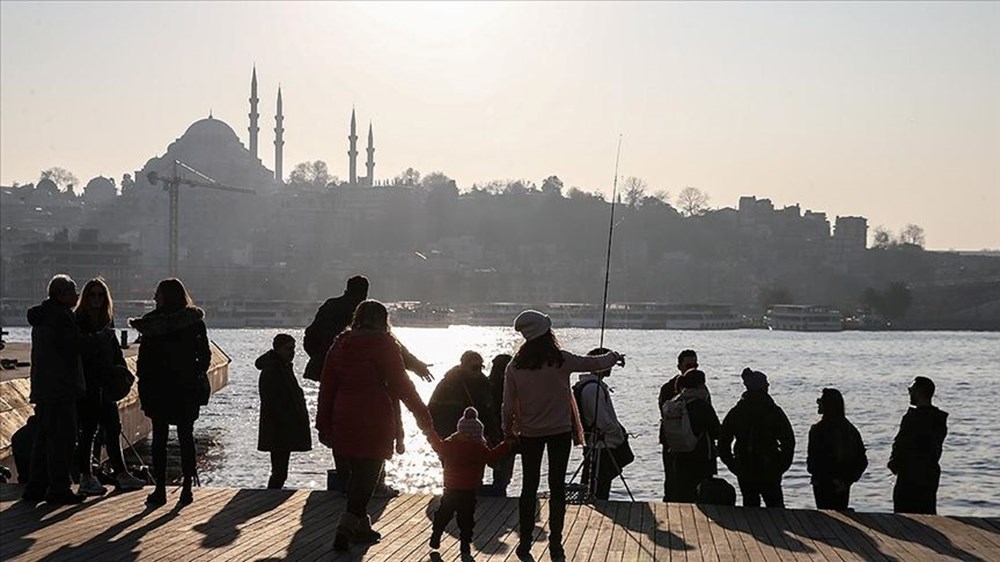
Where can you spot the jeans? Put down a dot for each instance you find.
(52, 452)
(829, 496)
(754, 490)
(667, 469)
(531, 466)
(279, 469)
(362, 477)
(462, 503)
(94, 415)
(185, 435)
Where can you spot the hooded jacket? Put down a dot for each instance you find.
(173, 352)
(465, 458)
(456, 391)
(916, 450)
(765, 443)
(362, 377)
(56, 369)
(100, 353)
(836, 451)
(284, 419)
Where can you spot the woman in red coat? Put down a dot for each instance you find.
(363, 376)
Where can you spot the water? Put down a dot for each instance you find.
(872, 369)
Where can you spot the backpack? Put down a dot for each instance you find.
(578, 396)
(716, 491)
(676, 424)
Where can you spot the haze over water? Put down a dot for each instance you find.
(871, 369)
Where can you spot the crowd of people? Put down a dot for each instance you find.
(525, 407)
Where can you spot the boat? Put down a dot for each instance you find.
(629, 315)
(804, 318)
(15, 385)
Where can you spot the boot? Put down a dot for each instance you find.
(365, 534)
(345, 530)
(556, 552)
(158, 497)
(186, 495)
(435, 542)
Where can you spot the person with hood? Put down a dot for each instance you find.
(686, 360)
(836, 457)
(464, 455)
(503, 469)
(362, 377)
(57, 382)
(101, 355)
(174, 357)
(284, 419)
(463, 386)
(601, 428)
(765, 443)
(690, 468)
(539, 409)
(916, 452)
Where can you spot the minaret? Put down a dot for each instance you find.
(352, 153)
(279, 142)
(370, 165)
(253, 113)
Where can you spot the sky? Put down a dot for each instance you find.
(886, 110)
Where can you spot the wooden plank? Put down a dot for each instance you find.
(540, 542)
(823, 551)
(647, 545)
(575, 532)
(621, 534)
(716, 533)
(633, 537)
(504, 534)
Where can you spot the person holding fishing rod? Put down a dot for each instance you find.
(539, 408)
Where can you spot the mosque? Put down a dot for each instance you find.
(213, 148)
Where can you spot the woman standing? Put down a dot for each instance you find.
(100, 355)
(836, 457)
(363, 376)
(173, 356)
(284, 419)
(539, 408)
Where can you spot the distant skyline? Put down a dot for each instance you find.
(886, 110)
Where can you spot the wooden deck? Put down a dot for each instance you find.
(236, 525)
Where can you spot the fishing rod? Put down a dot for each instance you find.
(611, 231)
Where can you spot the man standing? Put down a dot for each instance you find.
(56, 384)
(464, 385)
(916, 452)
(332, 318)
(601, 429)
(765, 443)
(686, 361)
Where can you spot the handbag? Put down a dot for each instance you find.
(623, 454)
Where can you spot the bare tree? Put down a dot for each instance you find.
(313, 173)
(912, 234)
(882, 238)
(408, 176)
(692, 201)
(63, 178)
(634, 189)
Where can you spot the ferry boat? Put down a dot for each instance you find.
(634, 316)
(804, 318)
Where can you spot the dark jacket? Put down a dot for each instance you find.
(457, 391)
(363, 376)
(332, 318)
(100, 353)
(667, 391)
(173, 352)
(836, 451)
(916, 450)
(284, 419)
(56, 369)
(700, 462)
(765, 443)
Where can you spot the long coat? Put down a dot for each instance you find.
(56, 370)
(173, 352)
(363, 376)
(100, 354)
(284, 419)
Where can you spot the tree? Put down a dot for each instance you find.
(63, 178)
(438, 180)
(913, 235)
(659, 198)
(882, 238)
(552, 185)
(408, 176)
(635, 189)
(314, 174)
(692, 201)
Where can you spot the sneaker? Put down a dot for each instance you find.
(435, 542)
(129, 483)
(89, 486)
(341, 542)
(523, 550)
(157, 498)
(68, 498)
(385, 491)
(366, 536)
(556, 552)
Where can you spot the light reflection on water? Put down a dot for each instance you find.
(871, 369)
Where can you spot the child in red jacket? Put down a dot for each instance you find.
(464, 455)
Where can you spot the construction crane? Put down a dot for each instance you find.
(171, 185)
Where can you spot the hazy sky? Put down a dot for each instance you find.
(891, 111)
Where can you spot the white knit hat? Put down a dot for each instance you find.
(532, 324)
(470, 425)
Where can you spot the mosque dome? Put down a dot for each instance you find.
(47, 185)
(211, 128)
(100, 183)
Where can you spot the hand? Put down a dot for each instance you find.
(400, 447)
(621, 359)
(424, 373)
